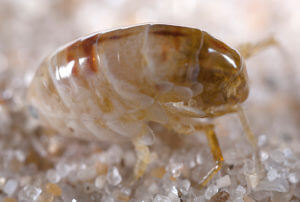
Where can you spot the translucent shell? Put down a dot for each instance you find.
(110, 85)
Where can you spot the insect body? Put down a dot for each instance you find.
(110, 86)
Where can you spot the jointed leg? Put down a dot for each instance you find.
(143, 158)
(191, 126)
(249, 49)
(215, 150)
(250, 136)
(214, 144)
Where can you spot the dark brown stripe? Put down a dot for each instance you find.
(88, 46)
(71, 53)
(92, 60)
(108, 36)
(169, 33)
(75, 69)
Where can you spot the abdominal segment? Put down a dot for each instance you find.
(108, 86)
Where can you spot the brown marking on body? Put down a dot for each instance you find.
(169, 33)
(107, 37)
(75, 70)
(71, 53)
(115, 37)
(88, 46)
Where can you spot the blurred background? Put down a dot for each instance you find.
(31, 29)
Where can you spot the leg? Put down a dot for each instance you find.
(143, 159)
(191, 126)
(142, 150)
(248, 49)
(215, 150)
(250, 135)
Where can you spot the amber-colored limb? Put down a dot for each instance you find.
(249, 49)
(243, 119)
(214, 144)
(215, 150)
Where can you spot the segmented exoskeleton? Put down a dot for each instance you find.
(109, 86)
